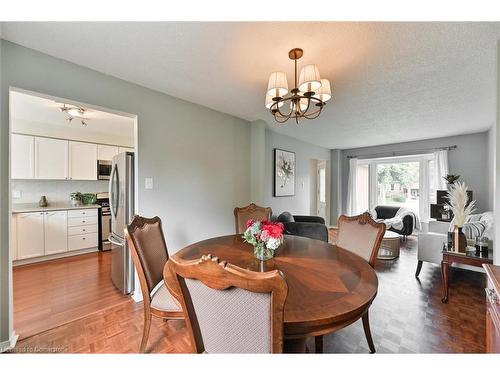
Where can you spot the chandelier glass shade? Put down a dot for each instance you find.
(307, 98)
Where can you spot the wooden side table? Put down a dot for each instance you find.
(450, 257)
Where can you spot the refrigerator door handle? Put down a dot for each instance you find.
(114, 191)
(114, 241)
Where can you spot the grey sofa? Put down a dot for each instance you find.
(304, 226)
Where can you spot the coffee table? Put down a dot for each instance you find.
(389, 249)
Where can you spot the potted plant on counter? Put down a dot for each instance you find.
(75, 198)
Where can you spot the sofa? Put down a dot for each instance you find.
(304, 226)
(430, 244)
(388, 212)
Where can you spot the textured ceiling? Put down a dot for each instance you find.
(392, 82)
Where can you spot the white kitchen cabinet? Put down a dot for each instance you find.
(30, 237)
(51, 158)
(82, 161)
(106, 152)
(22, 156)
(123, 149)
(56, 232)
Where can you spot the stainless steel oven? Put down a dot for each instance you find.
(104, 169)
(104, 221)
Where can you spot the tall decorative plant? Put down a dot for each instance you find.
(461, 207)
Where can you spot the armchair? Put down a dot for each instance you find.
(304, 226)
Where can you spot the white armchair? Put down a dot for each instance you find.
(430, 244)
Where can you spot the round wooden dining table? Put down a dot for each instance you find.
(328, 287)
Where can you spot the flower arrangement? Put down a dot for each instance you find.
(458, 203)
(265, 236)
(461, 208)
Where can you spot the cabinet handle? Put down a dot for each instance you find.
(83, 238)
(83, 230)
(83, 221)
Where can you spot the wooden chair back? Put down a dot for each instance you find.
(361, 235)
(149, 251)
(252, 211)
(231, 309)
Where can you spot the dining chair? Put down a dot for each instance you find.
(362, 236)
(252, 211)
(149, 253)
(231, 309)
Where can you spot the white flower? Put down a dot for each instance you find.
(273, 243)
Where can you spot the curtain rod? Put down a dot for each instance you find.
(402, 153)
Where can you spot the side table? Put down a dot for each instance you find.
(450, 257)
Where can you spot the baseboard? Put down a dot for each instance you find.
(137, 296)
(9, 344)
(22, 262)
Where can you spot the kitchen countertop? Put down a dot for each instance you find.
(34, 207)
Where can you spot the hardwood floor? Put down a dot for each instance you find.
(56, 292)
(407, 316)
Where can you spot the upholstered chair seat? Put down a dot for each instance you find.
(161, 299)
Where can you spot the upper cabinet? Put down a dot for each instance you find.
(51, 158)
(34, 157)
(105, 152)
(82, 161)
(23, 156)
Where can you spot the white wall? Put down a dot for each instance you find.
(469, 160)
(496, 165)
(198, 158)
(305, 153)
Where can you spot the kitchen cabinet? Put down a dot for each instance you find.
(106, 152)
(38, 234)
(56, 232)
(123, 149)
(22, 156)
(30, 237)
(44, 158)
(51, 158)
(82, 161)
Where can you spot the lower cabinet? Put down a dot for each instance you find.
(56, 232)
(37, 234)
(30, 236)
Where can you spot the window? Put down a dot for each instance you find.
(396, 181)
(398, 185)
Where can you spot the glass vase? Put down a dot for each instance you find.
(261, 252)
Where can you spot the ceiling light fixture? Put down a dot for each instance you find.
(74, 112)
(306, 99)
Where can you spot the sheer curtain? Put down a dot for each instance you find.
(352, 207)
(440, 169)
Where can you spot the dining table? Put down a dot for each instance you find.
(328, 287)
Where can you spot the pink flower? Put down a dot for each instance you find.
(250, 223)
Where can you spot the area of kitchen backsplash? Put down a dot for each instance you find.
(56, 191)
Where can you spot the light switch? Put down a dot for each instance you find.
(16, 194)
(148, 183)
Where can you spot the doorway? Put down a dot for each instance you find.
(322, 190)
(57, 198)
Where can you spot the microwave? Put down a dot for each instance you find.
(104, 169)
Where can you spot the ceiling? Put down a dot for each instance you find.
(392, 82)
(45, 114)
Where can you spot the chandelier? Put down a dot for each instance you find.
(307, 98)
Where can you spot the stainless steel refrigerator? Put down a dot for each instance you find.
(121, 202)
